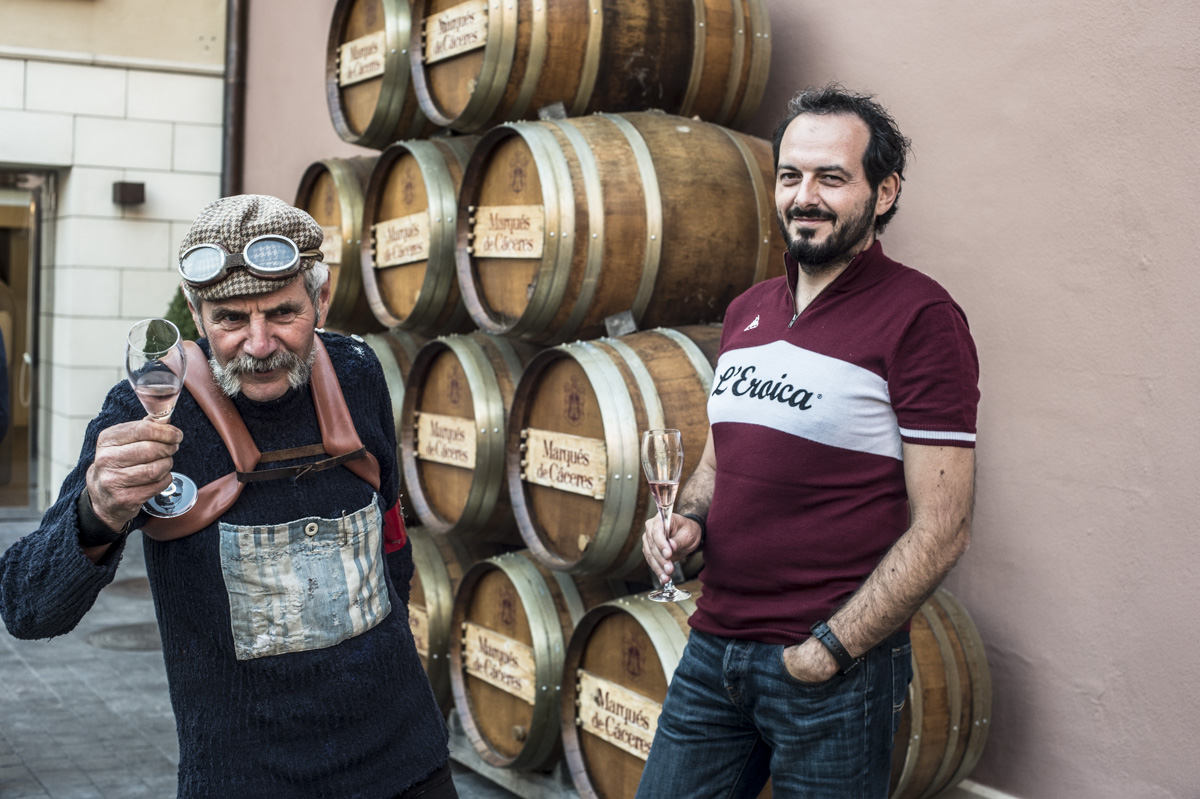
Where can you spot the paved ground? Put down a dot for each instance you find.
(80, 719)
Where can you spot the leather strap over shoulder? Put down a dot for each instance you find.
(333, 417)
(219, 409)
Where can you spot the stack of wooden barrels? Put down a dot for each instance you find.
(560, 211)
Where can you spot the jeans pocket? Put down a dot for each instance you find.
(812, 686)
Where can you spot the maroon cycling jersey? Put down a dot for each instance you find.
(809, 413)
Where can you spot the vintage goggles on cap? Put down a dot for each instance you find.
(271, 257)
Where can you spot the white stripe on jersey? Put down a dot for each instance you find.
(802, 393)
(937, 435)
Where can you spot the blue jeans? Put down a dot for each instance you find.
(734, 716)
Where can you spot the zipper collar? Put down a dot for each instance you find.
(840, 283)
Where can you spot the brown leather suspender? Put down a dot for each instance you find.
(339, 440)
(333, 417)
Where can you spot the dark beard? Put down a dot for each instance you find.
(817, 258)
(229, 376)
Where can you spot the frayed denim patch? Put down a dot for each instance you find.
(308, 584)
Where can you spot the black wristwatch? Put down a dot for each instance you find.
(822, 633)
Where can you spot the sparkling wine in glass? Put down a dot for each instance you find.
(158, 391)
(156, 364)
(662, 460)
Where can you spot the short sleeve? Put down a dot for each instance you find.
(933, 380)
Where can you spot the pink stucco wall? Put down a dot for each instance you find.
(1053, 192)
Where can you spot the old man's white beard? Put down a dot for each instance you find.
(229, 376)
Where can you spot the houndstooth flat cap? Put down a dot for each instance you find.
(233, 221)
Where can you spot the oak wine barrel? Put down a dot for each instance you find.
(482, 62)
(945, 722)
(618, 664)
(396, 350)
(409, 212)
(619, 661)
(368, 84)
(439, 563)
(574, 469)
(331, 191)
(514, 617)
(453, 429)
(562, 224)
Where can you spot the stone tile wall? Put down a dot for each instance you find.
(108, 265)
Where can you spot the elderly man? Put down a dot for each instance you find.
(834, 492)
(291, 666)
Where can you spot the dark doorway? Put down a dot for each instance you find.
(21, 198)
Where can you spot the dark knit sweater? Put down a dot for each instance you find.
(357, 719)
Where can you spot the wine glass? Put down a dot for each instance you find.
(156, 363)
(662, 460)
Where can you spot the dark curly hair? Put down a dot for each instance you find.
(887, 151)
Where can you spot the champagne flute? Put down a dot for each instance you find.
(156, 363)
(662, 460)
